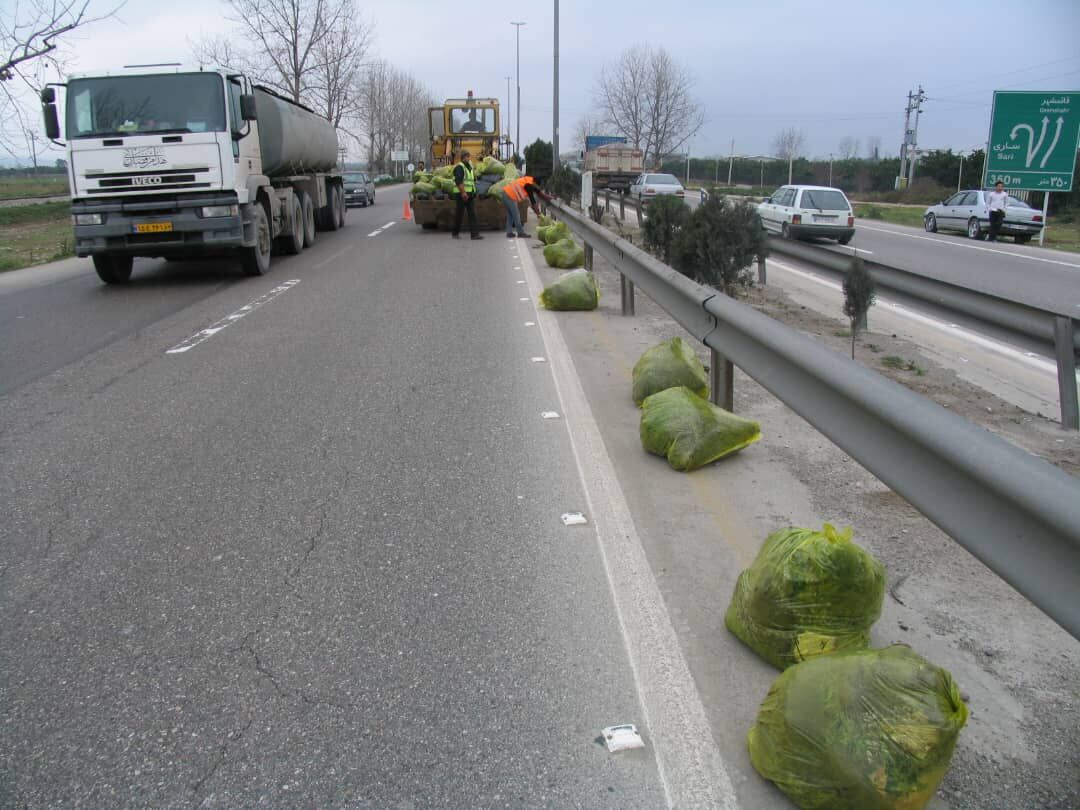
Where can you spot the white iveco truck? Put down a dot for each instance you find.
(182, 164)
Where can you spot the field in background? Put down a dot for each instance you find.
(35, 234)
(47, 185)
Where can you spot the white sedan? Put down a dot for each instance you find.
(650, 186)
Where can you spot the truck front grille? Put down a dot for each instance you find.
(150, 182)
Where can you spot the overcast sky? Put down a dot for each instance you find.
(831, 69)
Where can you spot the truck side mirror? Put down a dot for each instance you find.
(52, 121)
(247, 107)
(48, 95)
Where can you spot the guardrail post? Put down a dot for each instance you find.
(622, 206)
(588, 256)
(626, 290)
(1066, 363)
(721, 381)
(638, 208)
(607, 199)
(761, 270)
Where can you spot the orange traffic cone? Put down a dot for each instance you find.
(406, 212)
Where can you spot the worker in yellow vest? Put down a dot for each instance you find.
(465, 196)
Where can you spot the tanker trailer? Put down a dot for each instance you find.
(185, 164)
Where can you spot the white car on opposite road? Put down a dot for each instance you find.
(799, 212)
(652, 185)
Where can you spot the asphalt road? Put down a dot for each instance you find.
(316, 557)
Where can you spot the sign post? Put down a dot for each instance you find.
(1033, 141)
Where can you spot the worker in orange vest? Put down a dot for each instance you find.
(516, 192)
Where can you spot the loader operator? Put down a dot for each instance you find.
(465, 196)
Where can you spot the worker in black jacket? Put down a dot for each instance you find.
(465, 196)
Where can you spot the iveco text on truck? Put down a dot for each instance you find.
(183, 164)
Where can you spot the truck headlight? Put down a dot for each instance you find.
(219, 211)
(87, 219)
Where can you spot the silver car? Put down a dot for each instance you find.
(650, 186)
(359, 190)
(969, 212)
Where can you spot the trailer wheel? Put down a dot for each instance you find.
(255, 260)
(293, 241)
(309, 217)
(342, 210)
(333, 209)
(113, 269)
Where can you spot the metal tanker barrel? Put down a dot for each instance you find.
(293, 140)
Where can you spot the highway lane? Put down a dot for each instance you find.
(316, 557)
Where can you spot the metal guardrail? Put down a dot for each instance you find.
(1016, 513)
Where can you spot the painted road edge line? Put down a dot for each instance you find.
(691, 768)
(207, 333)
(997, 346)
(959, 244)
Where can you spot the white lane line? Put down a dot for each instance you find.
(229, 320)
(843, 249)
(959, 244)
(952, 328)
(334, 257)
(688, 760)
(375, 233)
(389, 225)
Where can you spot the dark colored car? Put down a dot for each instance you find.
(359, 190)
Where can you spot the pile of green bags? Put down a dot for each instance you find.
(576, 290)
(808, 593)
(668, 365)
(491, 176)
(690, 431)
(550, 234)
(565, 254)
(859, 730)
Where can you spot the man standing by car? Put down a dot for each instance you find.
(997, 200)
(465, 197)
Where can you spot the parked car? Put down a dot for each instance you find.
(650, 186)
(969, 212)
(798, 212)
(359, 190)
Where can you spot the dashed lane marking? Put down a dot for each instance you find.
(205, 334)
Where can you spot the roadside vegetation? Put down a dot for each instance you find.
(35, 234)
(13, 187)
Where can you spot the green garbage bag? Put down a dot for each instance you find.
(667, 365)
(565, 254)
(423, 188)
(444, 171)
(808, 593)
(545, 221)
(444, 184)
(497, 189)
(690, 431)
(490, 165)
(422, 177)
(511, 172)
(859, 730)
(553, 233)
(575, 290)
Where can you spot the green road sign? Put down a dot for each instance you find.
(1033, 140)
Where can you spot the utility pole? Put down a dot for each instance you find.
(508, 116)
(911, 137)
(730, 160)
(555, 105)
(517, 36)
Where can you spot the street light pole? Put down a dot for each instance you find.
(830, 168)
(508, 102)
(730, 160)
(960, 177)
(517, 37)
(555, 104)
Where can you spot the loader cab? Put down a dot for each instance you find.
(464, 123)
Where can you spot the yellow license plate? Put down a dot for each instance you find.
(153, 227)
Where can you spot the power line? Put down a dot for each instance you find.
(1010, 73)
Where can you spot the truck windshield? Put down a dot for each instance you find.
(127, 105)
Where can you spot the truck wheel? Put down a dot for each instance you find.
(113, 269)
(333, 209)
(293, 242)
(342, 211)
(309, 218)
(255, 260)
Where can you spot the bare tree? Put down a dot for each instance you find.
(873, 147)
(308, 50)
(789, 143)
(31, 35)
(848, 148)
(393, 113)
(586, 126)
(646, 96)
